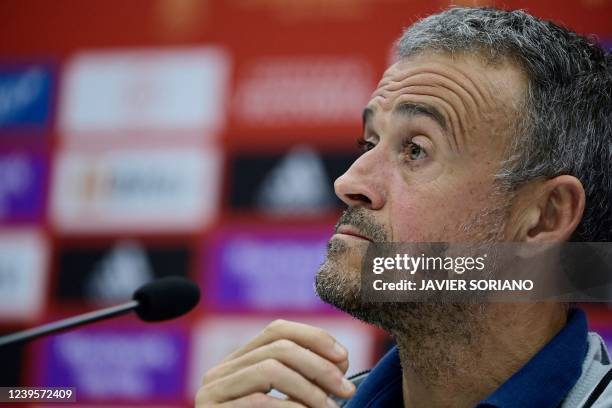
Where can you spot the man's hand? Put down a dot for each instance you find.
(301, 361)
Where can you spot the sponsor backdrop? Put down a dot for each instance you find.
(196, 138)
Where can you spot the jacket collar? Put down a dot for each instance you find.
(543, 382)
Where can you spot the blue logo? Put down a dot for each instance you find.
(25, 97)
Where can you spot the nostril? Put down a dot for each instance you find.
(359, 197)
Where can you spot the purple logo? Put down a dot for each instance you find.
(118, 363)
(265, 270)
(22, 186)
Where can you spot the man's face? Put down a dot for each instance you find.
(435, 132)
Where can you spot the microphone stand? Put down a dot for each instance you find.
(68, 323)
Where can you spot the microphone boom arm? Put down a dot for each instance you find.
(68, 323)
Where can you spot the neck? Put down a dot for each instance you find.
(461, 366)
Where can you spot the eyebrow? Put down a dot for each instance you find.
(410, 110)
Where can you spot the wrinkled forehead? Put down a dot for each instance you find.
(468, 77)
(471, 97)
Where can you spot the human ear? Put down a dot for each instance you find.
(556, 210)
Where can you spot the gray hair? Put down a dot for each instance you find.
(564, 125)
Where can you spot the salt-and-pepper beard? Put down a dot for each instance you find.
(427, 333)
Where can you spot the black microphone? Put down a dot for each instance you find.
(161, 299)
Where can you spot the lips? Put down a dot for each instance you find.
(351, 231)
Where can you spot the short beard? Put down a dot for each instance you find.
(430, 335)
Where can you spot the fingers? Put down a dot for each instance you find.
(303, 362)
(312, 366)
(260, 400)
(260, 379)
(312, 338)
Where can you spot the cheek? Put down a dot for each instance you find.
(435, 212)
(418, 215)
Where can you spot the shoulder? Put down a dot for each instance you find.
(594, 387)
(602, 394)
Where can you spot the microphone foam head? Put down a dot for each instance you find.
(166, 298)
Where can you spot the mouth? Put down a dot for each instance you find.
(350, 232)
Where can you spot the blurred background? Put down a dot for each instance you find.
(147, 138)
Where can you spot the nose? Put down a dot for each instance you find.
(361, 184)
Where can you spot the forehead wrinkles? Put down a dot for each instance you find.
(481, 93)
(451, 105)
(462, 97)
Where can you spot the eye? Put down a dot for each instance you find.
(364, 145)
(413, 151)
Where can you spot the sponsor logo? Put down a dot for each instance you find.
(25, 97)
(171, 95)
(297, 183)
(22, 185)
(309, 91)
(265, 270)
(142, 190)
(23, 275)
(117, 363)
(217, 337)
(110, 273)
